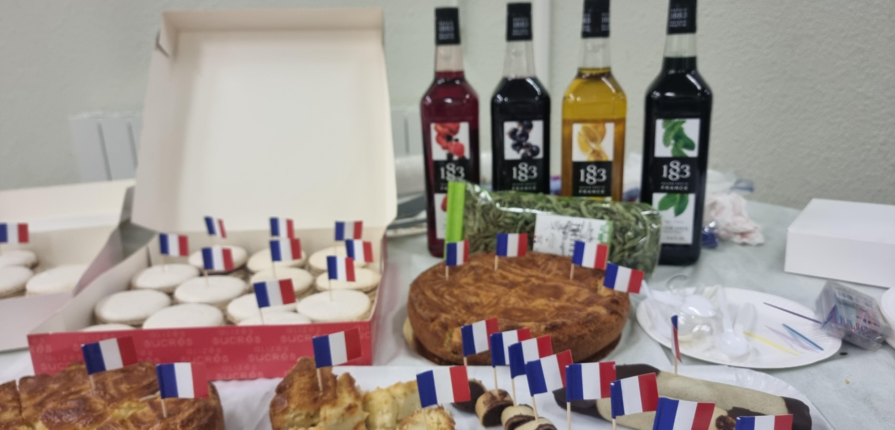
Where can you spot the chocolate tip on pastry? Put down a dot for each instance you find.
(476, 389)
(514, 416)
(541, 424)
(491, 405)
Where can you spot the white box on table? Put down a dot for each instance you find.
(68, 224)
(251, 114)
(841, 240)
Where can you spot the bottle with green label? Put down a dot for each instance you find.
(676, 140)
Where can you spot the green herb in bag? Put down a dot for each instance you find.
(636, 227)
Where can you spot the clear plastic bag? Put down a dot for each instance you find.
(636, 227)
(852, 316)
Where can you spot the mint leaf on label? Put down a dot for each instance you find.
(676, 151)
(671, 132)
(669, 201)
(682, 202)
(686, 142)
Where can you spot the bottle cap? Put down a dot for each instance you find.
(518, 21)
(682, 17)
(447, 26)
(595, 21)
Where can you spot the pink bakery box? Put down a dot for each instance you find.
(249, 114)
(68, 224)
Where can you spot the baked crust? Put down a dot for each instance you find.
(10, 408)
(123, 398)
(532, 291)
(298, 398)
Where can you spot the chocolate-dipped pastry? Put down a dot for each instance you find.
(476, 389)
(514, 416)
(735, 401)
(541, 424)
(491, 405)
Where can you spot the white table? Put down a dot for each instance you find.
(854, 389)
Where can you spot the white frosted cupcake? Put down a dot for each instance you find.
(277, 318)
(130, 307)
(317, 262)
(364, 280)
(164, 278)
(108, 327)
(344, 305)
(18, 257)
(13, 280)
(216, 291)
(239, 255)
(186, 316)
(56, 280)
(261, 260)
(245, 307)
(301, 279)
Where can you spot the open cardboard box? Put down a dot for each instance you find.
(67, 224)
(251, 114)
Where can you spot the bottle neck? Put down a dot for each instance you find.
(519, 61)
(594, 53)
(680, 52)
(448, 59)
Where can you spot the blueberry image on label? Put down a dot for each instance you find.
(524, 140)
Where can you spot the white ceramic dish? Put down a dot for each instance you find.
(762, 356)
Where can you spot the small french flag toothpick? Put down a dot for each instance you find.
(674, 414)
(765, 422)
(501, 342)
(14, 232)
(443, 385)
(528, 350)
(337, 348)
(589, 381)
(218, 258)
(623, 279)
(359, 250)
(634, 395)
(512, 244)
(274, 293)
(349, 230)
(549, 373)
(590, 254)
(286, 249)
(340, 268)
(675, 342)
(174, 244)
(477, 336)
(109, 354)
(215, 227)
(457, 253)
(182, 380)
(282, 227)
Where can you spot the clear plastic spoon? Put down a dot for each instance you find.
(728, 342)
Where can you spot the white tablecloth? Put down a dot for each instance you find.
(854, 389)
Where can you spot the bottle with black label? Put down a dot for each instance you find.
(676, 140)
(593, 116)
(520, 113)
(450, 118)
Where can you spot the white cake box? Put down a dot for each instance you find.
(251, 114)
(847, 241)
(67, 224)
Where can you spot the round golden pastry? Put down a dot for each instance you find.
(533, 291)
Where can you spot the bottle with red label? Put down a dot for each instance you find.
(450, 117)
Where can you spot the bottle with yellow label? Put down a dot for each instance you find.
(593, 116)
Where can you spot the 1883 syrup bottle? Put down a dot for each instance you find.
(520, 113)
(676, 140)
(450, 117)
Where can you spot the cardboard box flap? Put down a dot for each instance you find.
(234, 92)
(65, 206)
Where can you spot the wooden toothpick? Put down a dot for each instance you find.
(446, 275)
(569, 414)
(513, 385)
(206, 277)
(164, 409)
(496, 259)
(494, 368)
(572, 272)
(534, 405)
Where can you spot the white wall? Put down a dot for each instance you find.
(804, 90)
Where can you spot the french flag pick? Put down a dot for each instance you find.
(215, 227)
(109, 354)
(528, 350)
(443, 385)
(674, 339)
(13, 232)
(174, 244)
(182, 380)
(634, 395)
(457, 253)
(512, 244)
(501, 342)
(477, 336)
(683, 415)
(549, 373)
(287, 249)
(274, 293)
(623, 279)
(767, 422)
(349, 230)
(217, 258)
(592, 255)
(282, 227)
(359, 250)
(340, 268)
(337, 348)
(589, 381)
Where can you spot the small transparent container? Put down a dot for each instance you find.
(851, 316)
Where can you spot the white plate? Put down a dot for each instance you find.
(887, 306)
(762, 356)
(246, 403)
